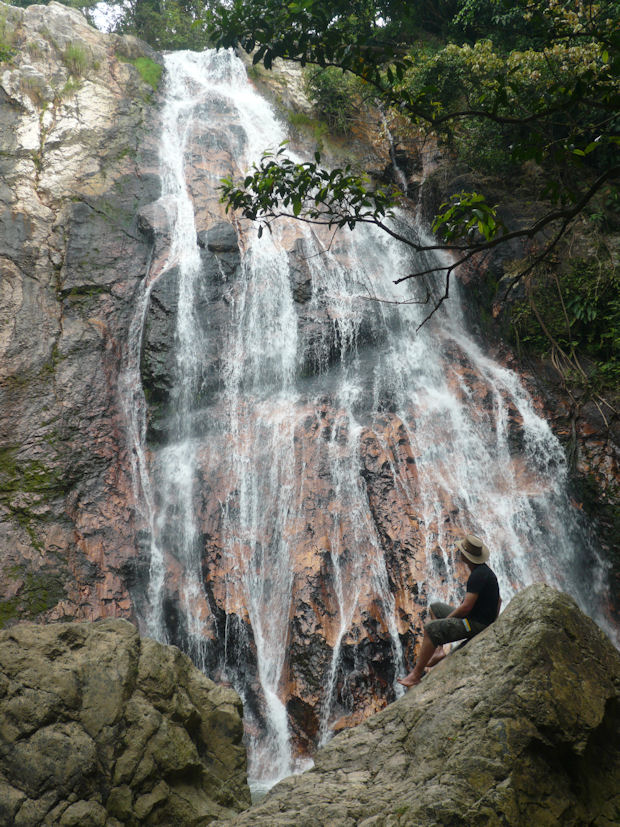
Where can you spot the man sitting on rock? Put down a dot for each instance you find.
(477, 611)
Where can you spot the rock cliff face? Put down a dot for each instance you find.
(75, 168)
(103, 728)
(80, 227)
(521, 726)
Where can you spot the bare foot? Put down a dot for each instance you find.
(410, 680)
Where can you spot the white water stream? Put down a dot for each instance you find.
(454, 403)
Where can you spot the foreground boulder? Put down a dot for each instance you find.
(522, 726)
(100, 727)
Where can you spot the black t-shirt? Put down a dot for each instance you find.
(483, 582)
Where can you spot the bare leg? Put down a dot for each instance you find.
(439, 654)
(426, 652)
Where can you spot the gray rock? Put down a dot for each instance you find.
(220, 268)
(100, 727)
(157, 358)
(220, 256)
(76, 162)
(154, 221)
(221, 238)
(301, 277)
(521, 726)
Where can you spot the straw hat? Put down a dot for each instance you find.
(473, 548)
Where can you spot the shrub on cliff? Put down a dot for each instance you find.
(336, 95)
(164, 24)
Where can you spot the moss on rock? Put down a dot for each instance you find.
(38, 592)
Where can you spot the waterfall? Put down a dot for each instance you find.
(318, 456)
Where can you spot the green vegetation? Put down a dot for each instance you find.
(76, 59)
(84, 296)
(25, 485)
(501, 84)
(570, 312)
(150, 72)
(7, 52)
(308, 191)
(301, 121)
(69, 88)
(164, 24)
(32, 477)
(38, 593)
(337, 95)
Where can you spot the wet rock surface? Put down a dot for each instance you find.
(365, 673)
(219, 268)
(521, 726)
(102, 727)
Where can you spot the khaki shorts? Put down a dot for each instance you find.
(448, 629)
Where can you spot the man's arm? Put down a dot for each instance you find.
(499, 606)
(466, 606)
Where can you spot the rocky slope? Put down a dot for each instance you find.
(103, 728)
(521, 726)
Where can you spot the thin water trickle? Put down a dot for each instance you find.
(234, 490)
(399, 175)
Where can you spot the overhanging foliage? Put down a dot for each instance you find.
(545, 71)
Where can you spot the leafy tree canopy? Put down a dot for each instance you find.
(85, 5)
(532, 80)
(164, 24)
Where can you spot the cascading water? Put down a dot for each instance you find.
(300, 402)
